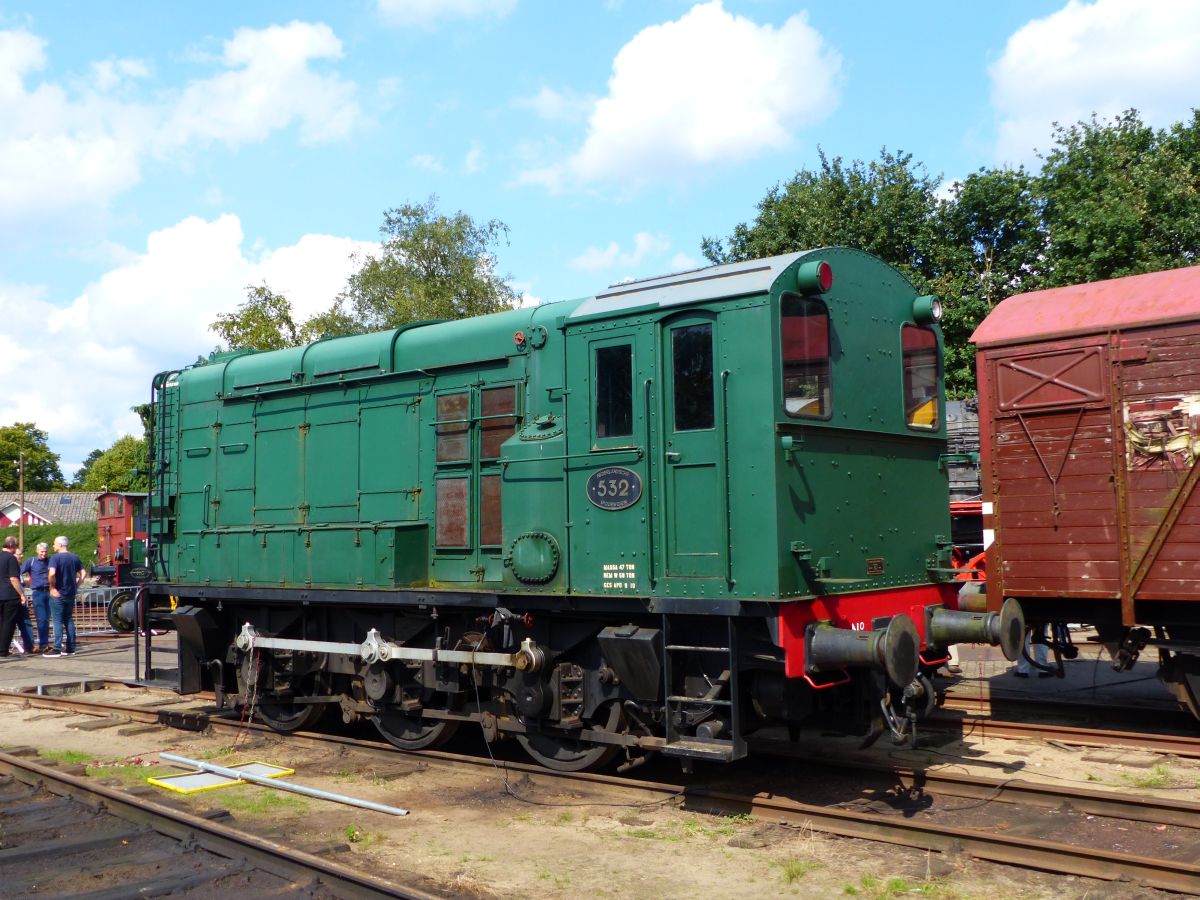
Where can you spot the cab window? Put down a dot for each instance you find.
(922, 374)
(805, 357)
(614, 391)
(692, 359)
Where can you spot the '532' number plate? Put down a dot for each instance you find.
(614, 487)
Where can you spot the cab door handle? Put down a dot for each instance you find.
(672, 456)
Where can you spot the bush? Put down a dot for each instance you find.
(82, 536)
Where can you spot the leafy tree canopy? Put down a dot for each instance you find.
(82, 472)
(263, 322)
(42, 472)
(122, 467)
(428, 266)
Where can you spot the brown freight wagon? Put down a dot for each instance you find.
(1089, 406)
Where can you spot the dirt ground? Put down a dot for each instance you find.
(473, 836)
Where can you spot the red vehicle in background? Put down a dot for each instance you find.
(1089, 398)
(121, 539)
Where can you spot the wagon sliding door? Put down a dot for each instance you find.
(1159, 416)
(1051, 460)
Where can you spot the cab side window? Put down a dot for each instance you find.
(805, 357)
(922, 375)
(614, 391)
(692, 358)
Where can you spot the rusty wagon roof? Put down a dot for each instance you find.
(1119, 303)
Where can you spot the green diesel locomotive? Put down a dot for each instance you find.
(646, 521)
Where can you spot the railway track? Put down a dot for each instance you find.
(908, 830)
(62, 835)
(978, 718)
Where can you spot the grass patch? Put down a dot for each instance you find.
(360, 837)
(646, 834)
(134, 773)
(689, 829)
(1159, 776)
(227, 750)
(261, 800)
(69, 757)
(545, 874)
(564, 819)
(887, 888)
(794, 871)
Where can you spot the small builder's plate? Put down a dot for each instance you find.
(191, 782)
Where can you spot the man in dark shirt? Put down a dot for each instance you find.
(66, 573)
(11, 595)
(38, 569)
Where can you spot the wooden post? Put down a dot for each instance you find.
(21, 502)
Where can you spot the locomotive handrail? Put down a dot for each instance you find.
(649, 494)
(725, 467)
(507, 461)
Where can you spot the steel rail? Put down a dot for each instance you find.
(262, 853)
(1030, 853)
(1112, 804)
(986, 727)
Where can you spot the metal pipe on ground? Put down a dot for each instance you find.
(283, 785)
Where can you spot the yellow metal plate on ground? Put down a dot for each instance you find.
(191, 782)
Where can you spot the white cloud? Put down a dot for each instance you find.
(426, 162)
(1101, 57)
(167, 295)
(710, 88)
(71, 147)
(269, 86)
(645, 246)
(56, 153)
(681, 262)
(111, 73)
(525, 297)
(428, 13)
(472, 162)
(559, 106)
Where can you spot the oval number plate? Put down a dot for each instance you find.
(614, 487)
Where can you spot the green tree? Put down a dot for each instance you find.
(886, 207)
(1121, 198)
(122, 467)
(42, 471)
(263, 322)
(992, 244)
(429, 266)
(82, 471)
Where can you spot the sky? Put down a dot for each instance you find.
(157, 158)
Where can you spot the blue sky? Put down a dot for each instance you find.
(155, 158)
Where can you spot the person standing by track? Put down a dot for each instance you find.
(66, 573)
(37, 567)
(11, 595)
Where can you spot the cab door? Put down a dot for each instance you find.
(610, 440)
(695, 503)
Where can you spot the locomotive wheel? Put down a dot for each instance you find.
(411, 732)
(567, 754)
(283, 716)
(277, 713)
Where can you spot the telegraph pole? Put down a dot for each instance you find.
(21, 502)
